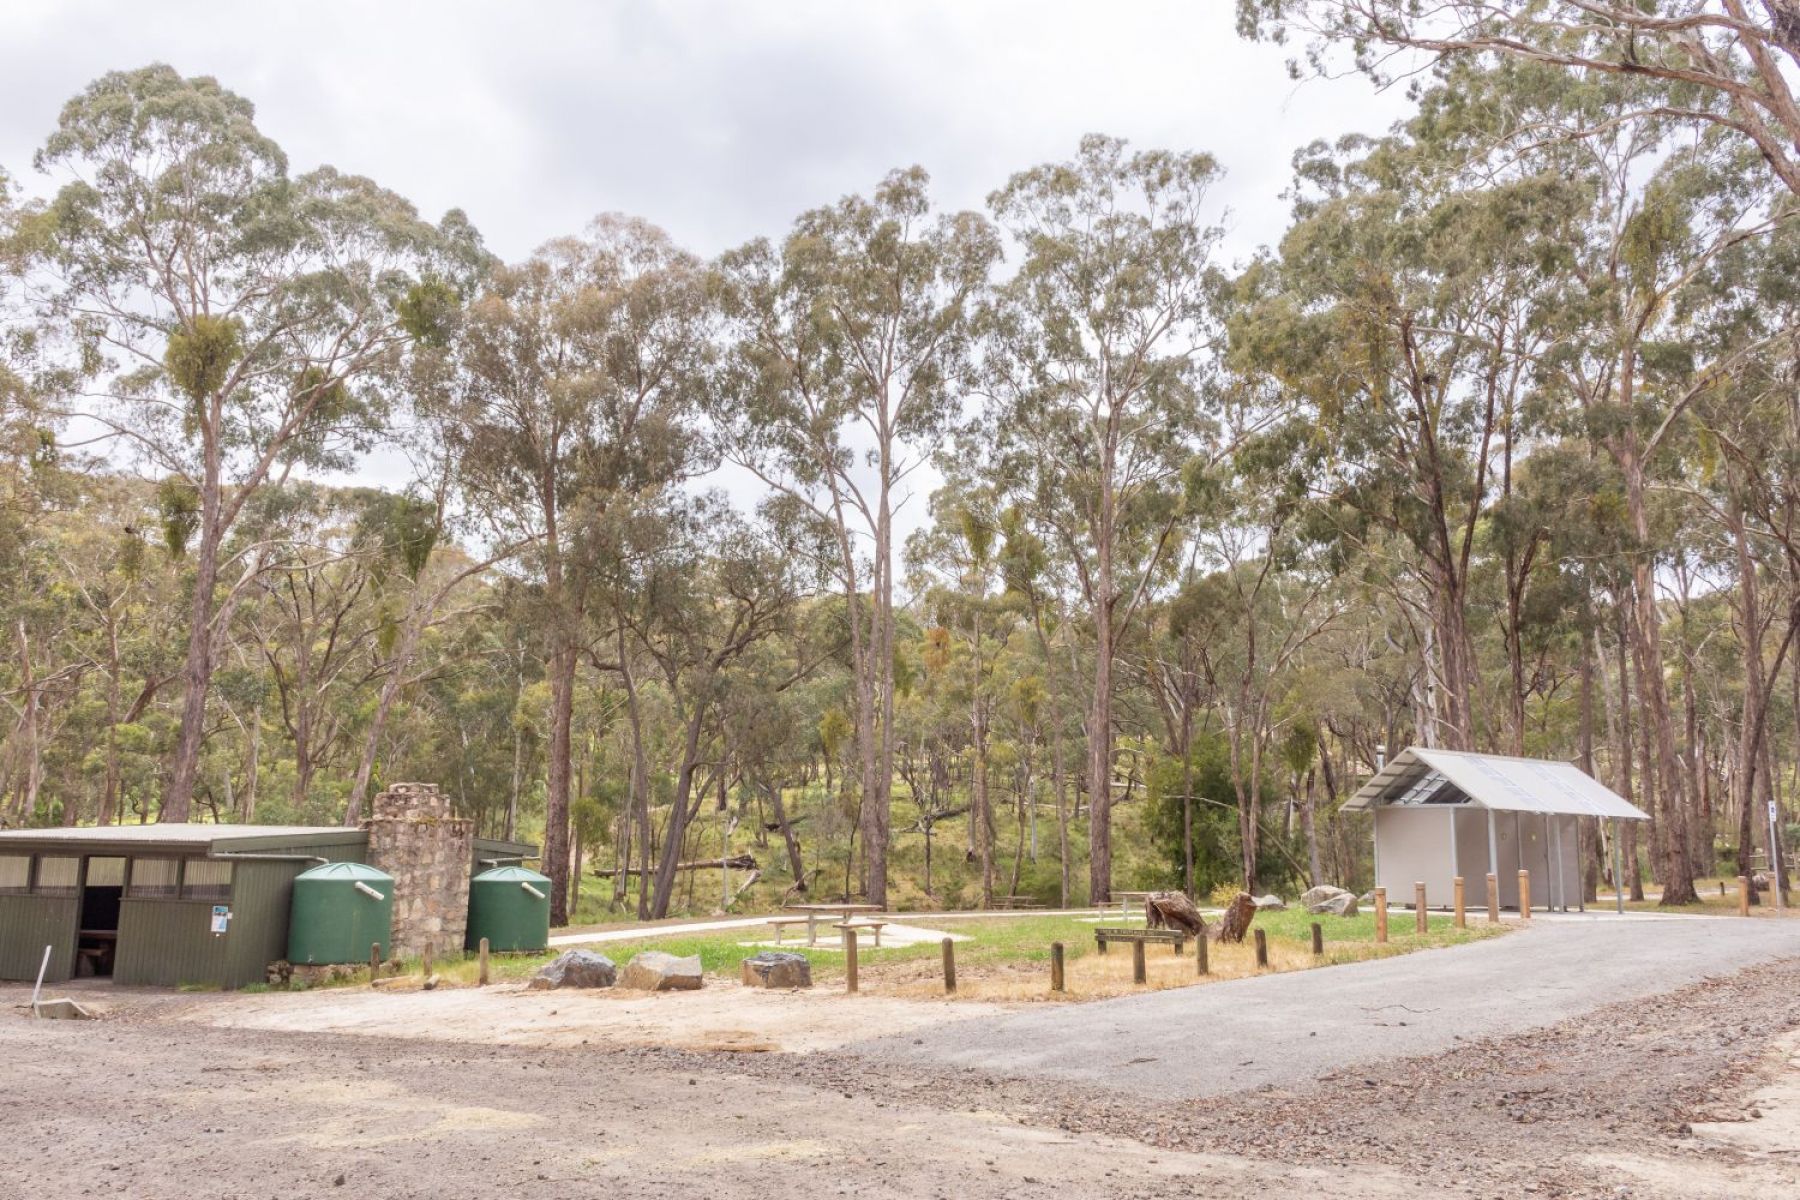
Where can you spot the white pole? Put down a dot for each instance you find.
(1777, 868)
(1618, 870)
(36, 991)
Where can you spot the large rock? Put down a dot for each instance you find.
(654, 971)
(777, 969)
(577, 969)
(1270, 902)
(1337, 906)
(1319, 895)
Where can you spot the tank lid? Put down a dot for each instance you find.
(510, 875)
(349, 871)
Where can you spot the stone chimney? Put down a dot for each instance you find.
(414, 837)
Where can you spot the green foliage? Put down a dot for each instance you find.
(178, 507)
(201, 354)
(1215, 821)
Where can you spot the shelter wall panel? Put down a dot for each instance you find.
(1506, 844)
(27, 925)
(261, 895)
(165, 943)
(1415, 844)
(1472, 854)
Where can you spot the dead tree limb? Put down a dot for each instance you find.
(1173, 910)
(1236, 922)
(740, 862)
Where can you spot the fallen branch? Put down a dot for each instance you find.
(740, 862)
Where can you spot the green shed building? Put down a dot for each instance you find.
(167, 904)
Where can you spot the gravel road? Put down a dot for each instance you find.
(1686, 1092)
(1277, 1030)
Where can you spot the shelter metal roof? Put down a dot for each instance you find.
(190, 836)
(1418, 775)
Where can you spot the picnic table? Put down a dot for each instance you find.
(843, 912)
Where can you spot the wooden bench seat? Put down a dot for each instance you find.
(873, 927)
(781, 923)
(1173, 937)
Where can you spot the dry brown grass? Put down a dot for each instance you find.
(1098, 976)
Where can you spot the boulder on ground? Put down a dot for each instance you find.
(1270, 902)
(777, 969)
(1319, 895)
(1337, 906)
(654, 971)
(577, 969)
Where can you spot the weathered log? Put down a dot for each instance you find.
(1173, 910)
(1236, 922)
(739, 862)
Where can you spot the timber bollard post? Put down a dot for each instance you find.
(1524, 895)
(1419, 908)
(1318, 939)
(1380, 914)
(425, 961)
(850, 961)
(1743, 895)
(483, 977)
(1056, 966)
(1262, 949)
(1493, 884)
(949, 965)
(1138, 973)
(1462, 913)
(1201, 966)
(374, 962)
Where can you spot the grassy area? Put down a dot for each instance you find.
(1008, 958)
(1718, 898)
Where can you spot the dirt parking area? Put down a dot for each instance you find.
(723, 1016)
(506, 1093)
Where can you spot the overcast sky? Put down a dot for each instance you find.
(718, 120)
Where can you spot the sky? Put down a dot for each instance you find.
(720, 120)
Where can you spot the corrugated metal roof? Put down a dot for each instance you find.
(178, 835)
(1499, 782)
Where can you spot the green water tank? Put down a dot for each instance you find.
(340, 910)
(510, 907)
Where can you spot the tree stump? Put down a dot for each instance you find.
(1173, 910)
(1235, 924)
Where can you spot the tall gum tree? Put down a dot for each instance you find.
(852, 343)
(1731, 63)
(1097, 352)
(577, 383)
(234, 321)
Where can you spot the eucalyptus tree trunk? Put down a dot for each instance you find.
(1646, 627)
(197, 669)
(1100, 713)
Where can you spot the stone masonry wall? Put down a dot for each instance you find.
(414, 837)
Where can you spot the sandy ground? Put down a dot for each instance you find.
(1690, 1092)
(721, 1016)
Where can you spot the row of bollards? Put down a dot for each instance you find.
(1458, 908)
(1058, 958)
(1202, 965)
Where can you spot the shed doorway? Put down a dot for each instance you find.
(97, 936)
